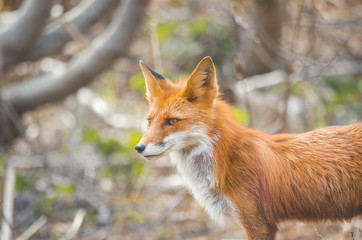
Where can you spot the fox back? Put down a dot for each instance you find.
(234, 171)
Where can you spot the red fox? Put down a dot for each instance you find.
(234, 171)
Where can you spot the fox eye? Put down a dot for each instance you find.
(171, 121)
(148, 121)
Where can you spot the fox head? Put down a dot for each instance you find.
(180, 115)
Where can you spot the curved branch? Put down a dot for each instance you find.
(112, 44)
(82, 17)
(17, 38)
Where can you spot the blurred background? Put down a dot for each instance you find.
(72, 105)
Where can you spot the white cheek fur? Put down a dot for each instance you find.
(153, 149)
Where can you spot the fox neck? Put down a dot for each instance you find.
(195, 166)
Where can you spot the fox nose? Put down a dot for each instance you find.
(140, 148)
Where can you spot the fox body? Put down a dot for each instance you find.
(234, 171)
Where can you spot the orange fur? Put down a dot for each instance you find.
(311, 176)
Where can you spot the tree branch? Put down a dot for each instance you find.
(112, 44)
(82, 17)
(17, 38)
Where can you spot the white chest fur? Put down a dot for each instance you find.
(196, 168)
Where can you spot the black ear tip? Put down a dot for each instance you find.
(155, 74)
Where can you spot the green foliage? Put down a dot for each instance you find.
(2, 160)
(136, 217)
(199, 26)
(91, 217)
(56, 193)
(137, 83)
(123, 169)
(47, 201)
(166, 30)
(106, 147)
(165, 234)
(90, 135)
(133, 138)
(126, 172)
(345, 98)
(339, 98)
(109, 147)
(299, 89)
(109, 80)
(347, 91)
(241, 115)
(64, 188)
(24, 182)
(182, 40)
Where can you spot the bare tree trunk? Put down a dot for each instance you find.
(262, 53)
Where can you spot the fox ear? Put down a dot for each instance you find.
(155, 82)
(202, 84)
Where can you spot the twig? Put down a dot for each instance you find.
(77, 223)
(33, 228)
(8, 201)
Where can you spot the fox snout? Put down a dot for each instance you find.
(140, 148)
(151, 150)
